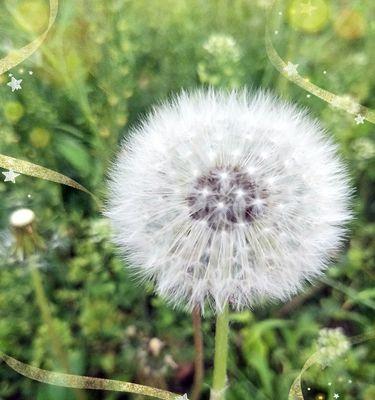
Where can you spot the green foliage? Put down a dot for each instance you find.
(101, 69)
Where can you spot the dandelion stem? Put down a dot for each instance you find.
(221, 356)
(199, 358)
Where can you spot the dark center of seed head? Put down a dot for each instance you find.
(224, 197)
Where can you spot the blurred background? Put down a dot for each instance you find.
(103, 66)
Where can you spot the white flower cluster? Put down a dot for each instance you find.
(220, 45)
(332, 344)
(228, 197)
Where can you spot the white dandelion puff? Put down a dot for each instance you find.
(224, 197)
(22, 218)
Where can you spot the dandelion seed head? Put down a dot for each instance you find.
(21, 218)
(256, 209)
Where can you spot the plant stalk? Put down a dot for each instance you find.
(42, 302)
(221, 356)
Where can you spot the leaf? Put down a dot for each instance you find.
(75, 153)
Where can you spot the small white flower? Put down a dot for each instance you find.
(231, 228)
(184, 397)
(222, 45)
(332, 344)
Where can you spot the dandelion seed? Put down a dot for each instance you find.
(240, 193)
(205, 192)
(228, 229)
(224, 175)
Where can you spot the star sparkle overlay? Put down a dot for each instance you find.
(291, 69)
(10, 176)
(15, 84)
(359, 119)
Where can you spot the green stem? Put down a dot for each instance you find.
(42, 302)
(221, 356)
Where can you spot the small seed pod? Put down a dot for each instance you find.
(27, 241)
